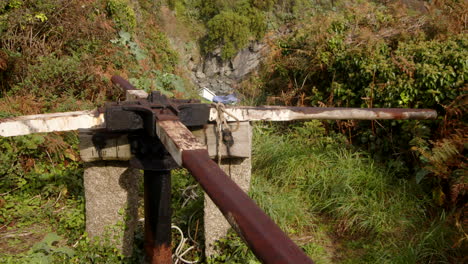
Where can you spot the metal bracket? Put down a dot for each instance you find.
(131, 116)
(150, 154)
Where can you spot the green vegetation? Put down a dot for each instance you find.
(338, 204)
(234, 28)
(59, 56)
(230, 30)
(230, 25)
(373, 64)
(368, 54)
(122, 13)
(71, 55)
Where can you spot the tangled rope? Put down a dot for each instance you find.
(178, 254)
(225, 133)
(189, 193)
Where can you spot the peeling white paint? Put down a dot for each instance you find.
(278, 113)
(94, 120)
(45, 123)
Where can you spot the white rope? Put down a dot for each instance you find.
(178, 256)
(189, 193)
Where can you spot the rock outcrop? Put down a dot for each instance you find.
(221, 76)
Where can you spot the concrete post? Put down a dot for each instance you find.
(111, 191)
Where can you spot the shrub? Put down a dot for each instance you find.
(53, 77)
(123, 14)
(229, 30)
(230, 24)
(366, 54)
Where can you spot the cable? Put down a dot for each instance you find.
(177, 253)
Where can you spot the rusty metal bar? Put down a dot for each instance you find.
(268, 242)
(124, 84)
(158, 214)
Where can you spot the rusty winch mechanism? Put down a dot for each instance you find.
(141, 119)
(160, 141)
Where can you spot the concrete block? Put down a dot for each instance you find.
(111, 193)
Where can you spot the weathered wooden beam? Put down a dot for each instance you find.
(44, 123)
(95, 120)
(288, 113)
(117, 147)
(177, 138)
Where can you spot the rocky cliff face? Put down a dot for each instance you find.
(209, 71)
(222, 76)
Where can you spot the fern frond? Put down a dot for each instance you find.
(444, 151)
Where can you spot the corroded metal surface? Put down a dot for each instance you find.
(268, 242)
(117, 80)
(44, 123)
(287, 113)
(158, 216)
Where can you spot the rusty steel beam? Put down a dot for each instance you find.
(158, 214)
(268, 242)
(288, 113)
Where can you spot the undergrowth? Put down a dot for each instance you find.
(338, 204)
(58, 56)
(405, 54)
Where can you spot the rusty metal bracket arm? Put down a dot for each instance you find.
(268, 242)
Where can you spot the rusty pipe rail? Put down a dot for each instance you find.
(268, 242)
(124, 84)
